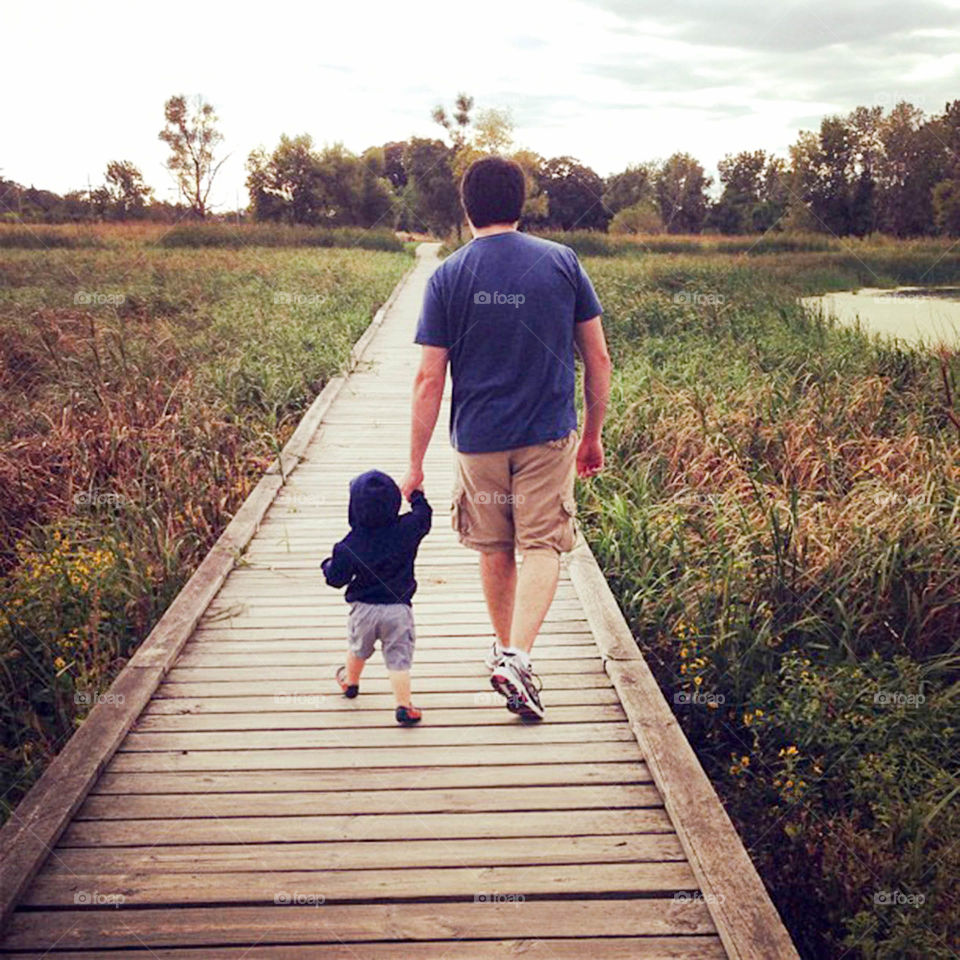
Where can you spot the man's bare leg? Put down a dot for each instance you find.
(498, 573)
(536, 585)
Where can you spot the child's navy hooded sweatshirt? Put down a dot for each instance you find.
(375, 559)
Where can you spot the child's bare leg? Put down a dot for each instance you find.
(355, 667)
(400, 681)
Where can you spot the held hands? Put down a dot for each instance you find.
(412, 481)
(589, 457)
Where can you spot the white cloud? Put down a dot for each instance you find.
(607, 81)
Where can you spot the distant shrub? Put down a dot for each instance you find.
(278, 235)
(44, 238)
(641, 218)
(591, 243)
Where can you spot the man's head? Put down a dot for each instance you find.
(492, 191)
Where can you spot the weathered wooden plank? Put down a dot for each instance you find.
(264, 887)
(333, 703)
(470, 649)
(338, 618)
(352, 719)
(436, 611)
(371, 854)
(386, 826)
(294, 804)
(536, 948)
(357, 923)
(477, 628)
(205, 656)
(429, 635)
(326, 665)
(377, 778)
(474, 689)
(531, 736)
(352, 757)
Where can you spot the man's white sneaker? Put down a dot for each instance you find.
(493, 655)
(513, 679)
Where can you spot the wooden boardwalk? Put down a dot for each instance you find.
(250, 811)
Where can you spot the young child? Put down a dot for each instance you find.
(375, 563)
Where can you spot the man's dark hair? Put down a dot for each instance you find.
(493, 191)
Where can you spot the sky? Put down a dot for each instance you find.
(610, 82)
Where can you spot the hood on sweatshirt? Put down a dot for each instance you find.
(374, 500)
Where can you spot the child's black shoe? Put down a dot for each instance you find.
(408, 716)
(350, 690)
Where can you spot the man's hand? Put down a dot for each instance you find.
(412, 481)
(592, 345)
(589, 457)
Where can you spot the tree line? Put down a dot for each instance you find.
(895, 172)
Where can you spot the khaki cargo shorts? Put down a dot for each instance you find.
(519, 499)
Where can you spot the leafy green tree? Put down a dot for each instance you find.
(574, 193)
(869, 171)
(946, 205)
(536, 207)
(333, 187)
(294, 164)
(493, 131)
(431, 198)
(100, 203)
(193, 139)
(915, 159)
(393, 168)
(377, 201)
(681, 191)
(267, 201)
(631, 187)
(823, 166)
(128, 193)
(755, 193)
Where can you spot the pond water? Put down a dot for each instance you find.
(914, 314)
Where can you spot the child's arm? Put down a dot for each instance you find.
(338, 569)
(421, 511)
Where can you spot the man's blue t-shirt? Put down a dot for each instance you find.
(505, 307)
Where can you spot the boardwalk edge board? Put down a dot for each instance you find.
(36, 824)
(749, 925)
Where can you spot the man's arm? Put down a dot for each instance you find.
(592, 345)
(427, 394)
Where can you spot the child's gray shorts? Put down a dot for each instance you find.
(391, 624)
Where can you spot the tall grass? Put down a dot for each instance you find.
(142, 393)
(804, 263)
(277, 235)
(193, 234)
(780, 521)
(48, 237)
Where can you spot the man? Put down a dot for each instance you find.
(505, 311)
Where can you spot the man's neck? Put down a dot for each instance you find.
(494, 228)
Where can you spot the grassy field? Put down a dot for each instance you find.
(780, 521)
(144, 387)
(190, 234)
